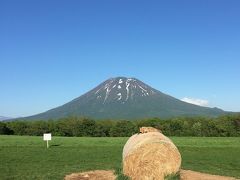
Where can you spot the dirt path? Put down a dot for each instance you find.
(92, 175)
(109, 175)
(193, 175)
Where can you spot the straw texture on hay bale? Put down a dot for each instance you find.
(150, 155)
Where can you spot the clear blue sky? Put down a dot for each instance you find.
(54, 51)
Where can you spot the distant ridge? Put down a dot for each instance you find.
(2, 118)
(126, 98)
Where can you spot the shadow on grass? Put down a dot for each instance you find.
(120, 175)
(172, 176)
(55, 145)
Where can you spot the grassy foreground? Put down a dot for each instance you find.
(26, 157)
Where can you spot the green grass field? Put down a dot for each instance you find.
(26, 157)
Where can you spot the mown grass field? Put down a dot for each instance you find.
(26, 157)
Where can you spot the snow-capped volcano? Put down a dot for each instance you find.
(126, 98)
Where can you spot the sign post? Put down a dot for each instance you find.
(47, 137)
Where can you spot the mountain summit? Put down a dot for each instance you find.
(126, 98)
(122, 90)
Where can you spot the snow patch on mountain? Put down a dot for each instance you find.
(119, 96)
(127, 85)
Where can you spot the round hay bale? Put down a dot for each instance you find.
(150, 156)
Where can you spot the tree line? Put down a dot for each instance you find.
(224, 126)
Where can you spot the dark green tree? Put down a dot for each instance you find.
(4, 129)
(123, 129)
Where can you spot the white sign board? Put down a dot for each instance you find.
(47, 137)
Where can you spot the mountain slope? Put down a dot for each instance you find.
(126, 98)
(2, 118)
